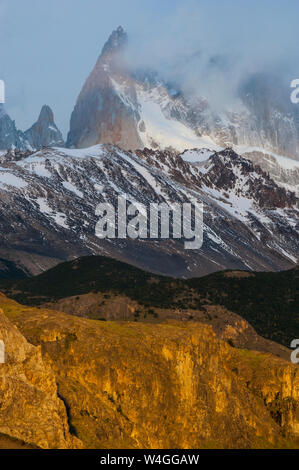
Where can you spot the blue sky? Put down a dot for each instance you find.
(48, 47)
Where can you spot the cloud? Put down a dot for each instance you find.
(210, 48)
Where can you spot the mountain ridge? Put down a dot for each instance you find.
(266, 300)
(147, 102)
(249, 221)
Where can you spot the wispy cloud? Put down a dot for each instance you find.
(209, 48)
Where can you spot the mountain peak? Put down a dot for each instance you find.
(46, 114)
(44, 133)
(100, 115)
(117, 41)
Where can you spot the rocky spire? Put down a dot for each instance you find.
(46, 114)
(100, 114)
(45, 133)
(116, 42)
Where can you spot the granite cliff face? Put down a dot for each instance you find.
(30, 409)
(44, 133)
(172, 385)
(100, 114)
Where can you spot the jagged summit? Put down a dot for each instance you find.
(10, 136)
(136, 109)
(116, 42)
(101, 115)
(44, 133)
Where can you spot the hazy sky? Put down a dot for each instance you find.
(48, 47)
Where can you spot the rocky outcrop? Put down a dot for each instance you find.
(172, 385)
(30, 409)
(225, 170)
(285, 172)
(44, 133)
(275, 383)
(10, 136)
(227, 325)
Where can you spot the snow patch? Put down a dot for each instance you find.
(163, 131)
(58, 217)
(72, 188)
(8, 179)
(196, 155)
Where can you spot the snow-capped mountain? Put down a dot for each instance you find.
(115, 107)
(132, 134)
(44, 133)
(134, 109)
(48, 202)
